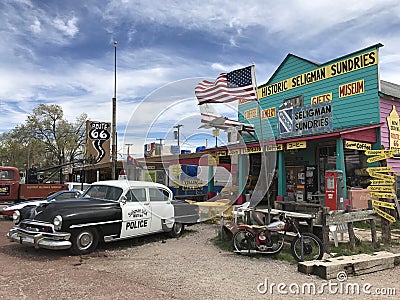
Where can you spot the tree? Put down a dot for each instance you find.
(46, 138)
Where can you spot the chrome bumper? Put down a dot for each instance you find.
(53, 241)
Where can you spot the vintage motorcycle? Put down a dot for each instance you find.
(269, 239)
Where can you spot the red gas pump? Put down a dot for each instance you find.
(334, 189)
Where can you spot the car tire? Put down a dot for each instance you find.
(177, 230)
(84, 241)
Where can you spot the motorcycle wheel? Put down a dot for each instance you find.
(243, 242)
(306, 247)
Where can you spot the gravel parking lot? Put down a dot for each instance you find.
(190, 267)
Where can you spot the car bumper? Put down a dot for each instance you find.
(53, 241)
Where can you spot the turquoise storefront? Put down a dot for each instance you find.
(312, 118)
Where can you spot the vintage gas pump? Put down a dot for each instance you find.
(334, 189)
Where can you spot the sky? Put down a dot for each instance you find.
(62, 52)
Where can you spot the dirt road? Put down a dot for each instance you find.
(190, 267)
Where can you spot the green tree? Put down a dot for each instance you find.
(46, 139)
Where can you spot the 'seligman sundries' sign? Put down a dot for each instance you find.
(305, 120)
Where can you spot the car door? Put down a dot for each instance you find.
(161, 208)
(136, 213)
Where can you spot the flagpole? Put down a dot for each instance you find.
(261, 141)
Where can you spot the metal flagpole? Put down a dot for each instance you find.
(261, 141)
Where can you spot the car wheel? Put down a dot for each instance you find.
(177, 230)
(84, 241)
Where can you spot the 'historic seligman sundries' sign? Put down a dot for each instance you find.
(307, 120)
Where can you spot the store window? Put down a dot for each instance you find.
(355, 161)
(327, 161)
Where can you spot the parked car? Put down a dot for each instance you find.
(108, 211)
(61, 195)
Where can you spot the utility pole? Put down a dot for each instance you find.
(177, 127)
(114, 118)
(160, 145)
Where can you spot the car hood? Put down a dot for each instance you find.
(73, 207)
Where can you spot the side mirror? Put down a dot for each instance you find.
(123, 200)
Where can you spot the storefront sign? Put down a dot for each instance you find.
(351, 89)
(341, 67)
(299, 121)
(379, 152)
(383, 204)
(277, 147)
(250, 113)
(268, 113)
(357, 145)
(220, 153)
(321, 98)
(296, 145)
(393, 123)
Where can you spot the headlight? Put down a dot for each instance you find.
(57, 222)
(16, 217)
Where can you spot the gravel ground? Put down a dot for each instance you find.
(190, 267)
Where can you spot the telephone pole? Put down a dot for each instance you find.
(177, 127)
(114, 118)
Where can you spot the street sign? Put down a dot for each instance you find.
(380, 169)
(384, 214)
(383, 204)
(380, 188)
(380, 175)
(382, 195)
(379, 157)
(382, 181)
(379, 152)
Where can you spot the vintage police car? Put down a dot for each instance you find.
(107, 211)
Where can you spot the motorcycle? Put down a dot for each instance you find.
(269, 239)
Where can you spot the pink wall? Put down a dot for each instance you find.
(386, 108)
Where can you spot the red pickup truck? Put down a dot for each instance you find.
(11, 190)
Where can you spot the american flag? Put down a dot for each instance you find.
(235, 85)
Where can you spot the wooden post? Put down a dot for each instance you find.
(385, 229)
(350, 228)
(325, 230)
(373, 229)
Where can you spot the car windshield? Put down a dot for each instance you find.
(103, 192)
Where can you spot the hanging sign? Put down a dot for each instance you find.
(358, 146)
(296, 145)
(383, 204)
(277, 147)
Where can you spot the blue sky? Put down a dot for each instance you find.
(61, 52)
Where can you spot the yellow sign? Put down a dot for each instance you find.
(383, 204)
(220, 153)
(382, 181)
(380, 175)
(212, 160)
(250, 113)
(380, 169)
(382, 195)
(380, 188)
(357, 145)
(385, 215)
(341, 67)
(250, 150)
(379, 157)
(393, 123)
(268, 113)
(277, 147)
(321, 98)
(351, 89)
(379, 152)
(296, 145)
